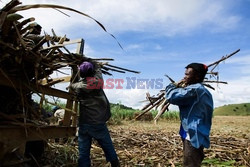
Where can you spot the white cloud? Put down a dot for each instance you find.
(243, 61)
(162, 16)
(233, 93)
(133, 46)
(243, 58)
(170, 17)
(158, 47)
(131, 97)
(133, 91)
(236, 91)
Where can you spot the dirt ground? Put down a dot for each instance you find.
(234, 126)
(147, 144)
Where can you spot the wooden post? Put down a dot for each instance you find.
(69, 105)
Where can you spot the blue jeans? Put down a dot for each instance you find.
(99, 132)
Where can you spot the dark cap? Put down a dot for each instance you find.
(86, 68)
(201, 69)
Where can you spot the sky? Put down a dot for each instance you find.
(158, 37)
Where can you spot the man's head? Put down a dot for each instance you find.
(86, 69)
(195, 73)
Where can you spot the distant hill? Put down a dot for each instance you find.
(120, 106)
(233, 109)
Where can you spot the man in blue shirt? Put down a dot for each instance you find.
(196, 109)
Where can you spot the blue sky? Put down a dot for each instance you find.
(160, 37)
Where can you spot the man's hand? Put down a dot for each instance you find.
(182, 83)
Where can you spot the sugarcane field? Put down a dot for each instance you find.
(98, 83)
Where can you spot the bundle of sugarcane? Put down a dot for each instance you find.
(23, 55)
(27, 57)
(159, 101)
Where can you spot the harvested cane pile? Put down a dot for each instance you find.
(28, 58)
(159, 101)
(156, 148)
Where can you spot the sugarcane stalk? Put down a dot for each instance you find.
(148, 98)
(137, 72)
(171, 80)
(106, 73)
(101, 59)
(112, 69)
(152, 106)
(163, 109)
(222, 82)
(52, 47)
(19, 36)
(3, 16)
(160, 104)
(209, 86)
(40, 43)
(157, 98)
(21, 24)
(213, 73)
(10, 5)
(223, 58)
(53, 50)
(27, 29)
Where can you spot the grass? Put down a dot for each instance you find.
(123, 113)
(233, 110)
(119, 114)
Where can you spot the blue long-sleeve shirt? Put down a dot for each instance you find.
(196, 109)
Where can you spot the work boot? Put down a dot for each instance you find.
(115, 163)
